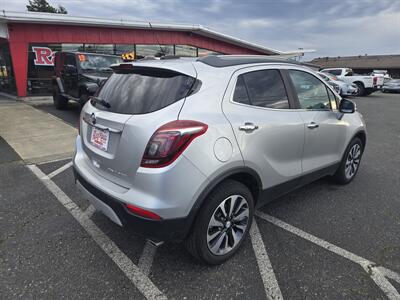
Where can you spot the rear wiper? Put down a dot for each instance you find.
(100, 101)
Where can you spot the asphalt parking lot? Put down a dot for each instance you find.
(322, 241)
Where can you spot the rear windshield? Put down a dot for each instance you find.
(143, 90)
(92, 62)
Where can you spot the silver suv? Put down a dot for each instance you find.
(186, 149)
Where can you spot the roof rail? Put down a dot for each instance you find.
(170, 57)
(220, 61)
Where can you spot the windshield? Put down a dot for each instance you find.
(97, 62)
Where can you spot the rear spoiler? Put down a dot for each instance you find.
(150, 70)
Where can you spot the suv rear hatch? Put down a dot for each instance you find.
(119, 121)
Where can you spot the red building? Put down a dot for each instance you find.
(28, 42)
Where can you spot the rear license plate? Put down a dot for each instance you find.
(99, 138)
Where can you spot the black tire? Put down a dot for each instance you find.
(361, 89)
(340, 176)
(60, 102)
(197, 243)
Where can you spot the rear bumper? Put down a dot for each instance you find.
(390, 89)
(164, 229)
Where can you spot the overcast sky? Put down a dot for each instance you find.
(331, 27)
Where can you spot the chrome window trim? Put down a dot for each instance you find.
(277, 66)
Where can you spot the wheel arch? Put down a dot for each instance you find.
(359, 82)
(362, 135)
(58, 82)
(244, 175)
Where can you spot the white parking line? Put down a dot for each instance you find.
(131, 271)
(376, 273)
(271, 285)
(147, 257)
(59, 170)
(389, 274)
(381, 281)
(90, 210)
(54, 160)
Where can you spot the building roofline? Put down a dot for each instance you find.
(358, 57)
(61, 19)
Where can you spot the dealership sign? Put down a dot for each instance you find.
(44, 56)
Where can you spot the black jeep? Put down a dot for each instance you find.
(78, 75)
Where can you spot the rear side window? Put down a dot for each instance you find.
(240, 94)
(334, 72)
(263, 88)
(144, 90)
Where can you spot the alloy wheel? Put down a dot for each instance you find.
(353, 161)
(228, 225)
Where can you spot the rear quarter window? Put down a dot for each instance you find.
(144, 90)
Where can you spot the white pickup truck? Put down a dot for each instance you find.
(366, 84)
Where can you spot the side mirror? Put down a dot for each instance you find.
(347, 107)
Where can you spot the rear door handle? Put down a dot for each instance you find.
(248, 127)
(312, 125)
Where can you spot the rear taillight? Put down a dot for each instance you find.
(169, 141)
(142, 212)
(375, 80)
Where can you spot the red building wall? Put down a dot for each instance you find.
(20, 35)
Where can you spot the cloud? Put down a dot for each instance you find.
(214, 6)
(257, 23)
(346, 27)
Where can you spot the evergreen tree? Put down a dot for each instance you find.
(44, 6)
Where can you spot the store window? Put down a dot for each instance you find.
(154, 50)
(99, 48)
(41, 67)
(7, 81)
(72, 47)
(185, 50)
(121, 49)
(206, 52)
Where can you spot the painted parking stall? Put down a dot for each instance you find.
(138, 274)
(322, 241)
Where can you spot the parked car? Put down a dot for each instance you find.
(392, 86)
(78, 75)
(335, 86)
(343, 88)
(330, 81)
(187, 149)
(382, 73)
(366, 84)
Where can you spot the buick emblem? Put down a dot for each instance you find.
(93, 119)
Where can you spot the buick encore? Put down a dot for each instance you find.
(185, 149)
